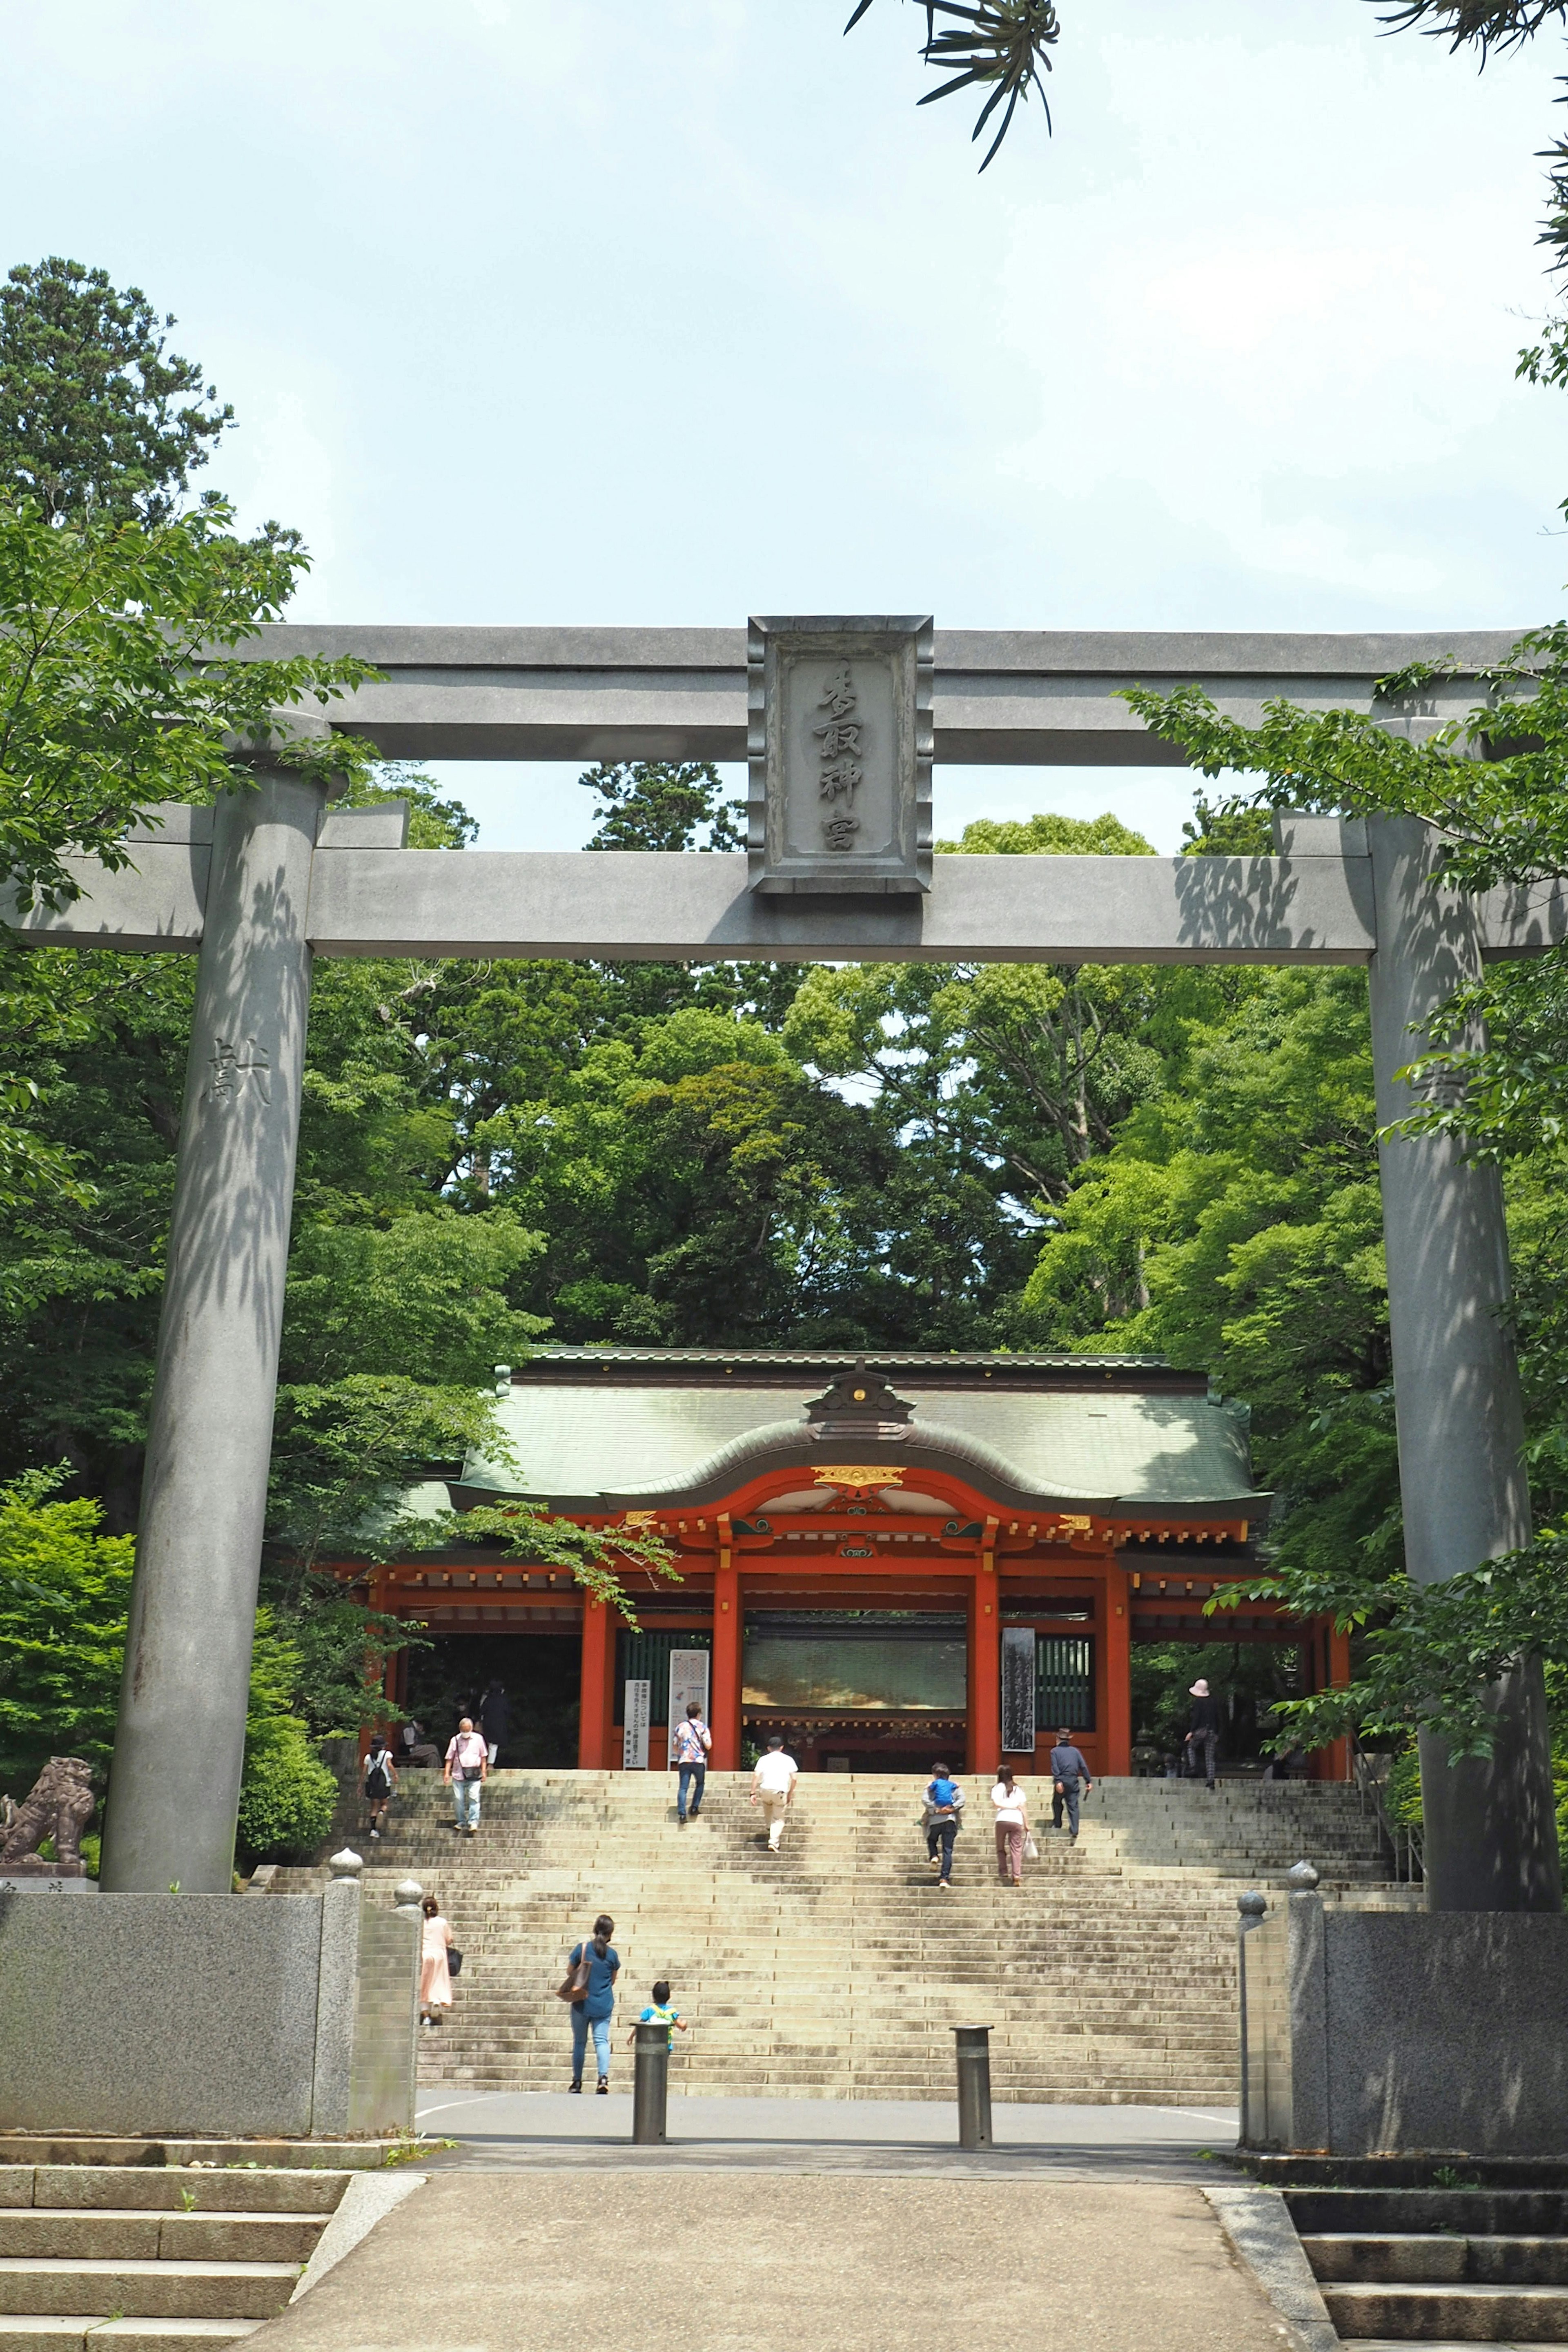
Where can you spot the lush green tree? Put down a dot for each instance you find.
(660, 805)
(287, 1795)
(1235, 1227)
(96, 414)
(1496, 1074)
(105, 708)
(1046, 835)
(64, 1590)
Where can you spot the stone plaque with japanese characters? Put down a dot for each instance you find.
(840, 747)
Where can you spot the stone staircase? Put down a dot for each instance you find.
(1439, 2267)
(152, 2259)
(836, 1968)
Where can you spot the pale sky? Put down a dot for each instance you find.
(599, 311)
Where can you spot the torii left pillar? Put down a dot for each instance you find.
(179, 1746)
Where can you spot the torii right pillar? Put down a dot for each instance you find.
(1490, 1830)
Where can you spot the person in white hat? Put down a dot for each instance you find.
(1203, 1730)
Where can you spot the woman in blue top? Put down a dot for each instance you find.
(944, 1801)
(597, 2006)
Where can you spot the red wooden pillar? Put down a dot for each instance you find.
(724, 1703)
(1337, 1754)
(597, 1715)
(986, 1666)
(1116, 1647)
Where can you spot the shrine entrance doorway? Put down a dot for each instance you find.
(446, 1672)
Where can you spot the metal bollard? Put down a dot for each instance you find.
(973, 2085)
(650, 2087)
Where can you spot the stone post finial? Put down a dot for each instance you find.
(346, 1863)
(1301, 1878)
(407, 1895)
(1252, 1906)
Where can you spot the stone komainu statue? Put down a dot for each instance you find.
(60, 1806)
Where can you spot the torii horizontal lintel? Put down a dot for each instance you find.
(1311, 906)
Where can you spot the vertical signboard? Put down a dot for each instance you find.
(1018, 1690)
(687, 1681)
(635, 1715)
(839, 745)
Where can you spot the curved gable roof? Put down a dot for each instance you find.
(623, 1443)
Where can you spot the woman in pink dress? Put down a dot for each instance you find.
(434, 1976)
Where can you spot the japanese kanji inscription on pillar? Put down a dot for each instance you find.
(840, 746)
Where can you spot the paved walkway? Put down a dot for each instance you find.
(552, 2129)
(575, 2262)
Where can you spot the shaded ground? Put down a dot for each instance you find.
(566, 2261)
(534, 2129)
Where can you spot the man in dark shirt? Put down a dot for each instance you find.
(1203, 1730)
(1069, 1780)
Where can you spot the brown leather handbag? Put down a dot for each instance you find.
(574, 1985)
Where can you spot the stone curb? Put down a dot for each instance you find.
(1257, 2224)
(367, 2197)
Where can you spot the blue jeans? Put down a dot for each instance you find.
(466, 1801)
(941, 1833)
(689, 1772)
(580, 2042)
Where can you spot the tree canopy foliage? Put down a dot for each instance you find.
(96, 416)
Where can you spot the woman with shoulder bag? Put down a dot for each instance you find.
(590, 1987)
(1012, 1826)
(436, 1962)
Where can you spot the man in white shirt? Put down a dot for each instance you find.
(773, 1776)
(466, 1769)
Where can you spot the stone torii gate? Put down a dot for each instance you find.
(271, 877)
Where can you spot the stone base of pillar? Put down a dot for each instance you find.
(1471, 2060)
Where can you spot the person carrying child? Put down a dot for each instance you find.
(660, 2013)
(943, 1805)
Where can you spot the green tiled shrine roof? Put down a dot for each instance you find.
(600, 1429)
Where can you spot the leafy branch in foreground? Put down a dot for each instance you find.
(1001, 43)
(1428, 1652)
(121, 685)
(532, 1535)
(1496, 1070)
(347, 1452)
(1485, 24)
(1505, 815)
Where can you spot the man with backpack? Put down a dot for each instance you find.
(378, 1776)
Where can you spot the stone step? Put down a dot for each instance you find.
(1476, 2314)
(1382, 2256)
(1455, 2213)
(119, 2234)
(835, 1967)
(39, 2286)
(79, 2332)
(172, 2188)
